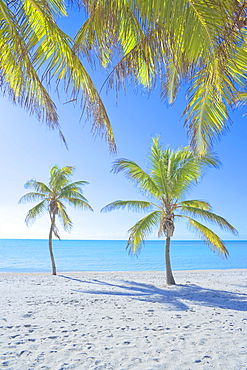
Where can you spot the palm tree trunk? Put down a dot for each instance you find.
(169, 276)
(54, 271)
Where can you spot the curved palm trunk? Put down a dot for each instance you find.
(54, 271)
(169, 276)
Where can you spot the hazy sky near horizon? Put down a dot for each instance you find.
(29, 149)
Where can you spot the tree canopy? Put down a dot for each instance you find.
(198, 44)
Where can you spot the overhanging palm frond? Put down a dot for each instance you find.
(19, 77)
(140, 231)
(195, 42)
(35, 212)
(210, 238)
(134, 205)
(211, 217)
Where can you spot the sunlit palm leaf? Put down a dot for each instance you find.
(212, 240)
(63, 216)
(211, 217)
(79, 203)
(135, 173)
(134, 205)
(195, 42)
(32, 197)
(38, 186)
(141, 230)
(35, 212)
(195, 204)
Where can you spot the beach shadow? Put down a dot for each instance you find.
(178, 297)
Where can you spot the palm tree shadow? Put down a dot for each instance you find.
(178, 297)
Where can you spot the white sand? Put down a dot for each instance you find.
(124, 321)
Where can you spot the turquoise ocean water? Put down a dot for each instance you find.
(32, 255)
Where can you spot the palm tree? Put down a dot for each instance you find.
(171, 174)
(174, 42)
(35, 53)
(51, 199)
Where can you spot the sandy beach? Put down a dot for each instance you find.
(124, 321)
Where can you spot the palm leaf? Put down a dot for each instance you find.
(210, 238)
(19, 77)
(141, 230)
(38, 186)
(35, 212)
(79, 203)
(75, 186)
(195, 204)
(134, 205)
(211, 217)
(135, 173)
(64, 218)
(31, 197)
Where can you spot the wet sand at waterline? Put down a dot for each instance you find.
(124, 320)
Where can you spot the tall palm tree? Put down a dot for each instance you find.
(170, 176)
(51, 198)
(174, 42)
(35, 53)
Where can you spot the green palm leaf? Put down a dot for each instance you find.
(35, 212)
(209, 216)
(134, 205)
(63, 216)
(135, 173)
(31, 197)
(194, 204)
(38, 186)
(199, 43)
(141, 230)
(79, 203)
(211, 239)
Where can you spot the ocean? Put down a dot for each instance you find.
(32, 255)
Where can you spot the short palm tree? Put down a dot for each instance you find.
(51, 198)
(171, 174)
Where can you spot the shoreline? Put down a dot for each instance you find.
(124, 320)
(118, 272)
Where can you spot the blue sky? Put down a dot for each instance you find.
(28, 149)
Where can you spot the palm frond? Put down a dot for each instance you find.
(176, 171)
(75, 186)
(134, 205)
(210, 238)
(31, 197)
(64, 218)
(38, 186)
(141, 230)
(210, 217)
(196, 42)
(135, 173)
(35, 212)
(79, 203)
(59, 177)
(201, 204)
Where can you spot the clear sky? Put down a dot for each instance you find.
(29, 149)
